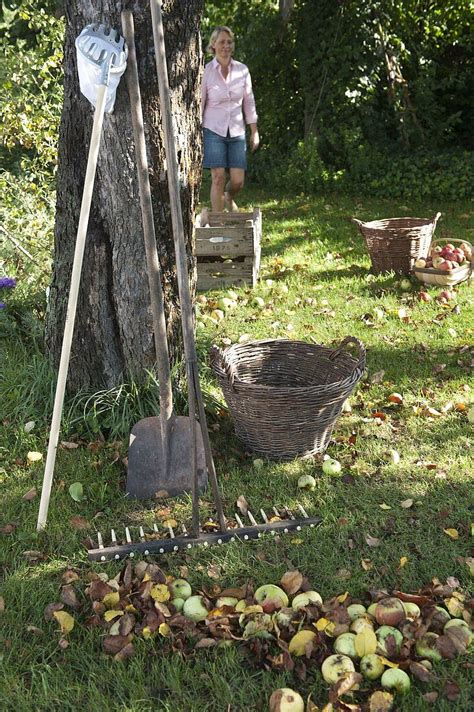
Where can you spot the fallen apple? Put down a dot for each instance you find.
(389, 611)
(180, 588)
(445, 294)
(286, 700)
(195, 609)
(371, 666)
(271, 591)
(336, 666)
(405, 285)
(426, 647)
(331, 467)
(360, 623)
(424, 297)
(226, 601)
(178, 603)
(258, 302)
(393, 456)
(306, 599)
(258, 463)
(241, 605)
(427, 664)
(412, 611)
(232, 294)
(283, 617)
(420, 263)
(459, 623)
(389, 640)
(439, 619)
(395, 679)
(307, 482)
(345, 645)
(356, 610)
(226, 303)
(371, 609)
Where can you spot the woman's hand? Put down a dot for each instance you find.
(254, 139)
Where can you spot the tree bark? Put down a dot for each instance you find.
(113, 337)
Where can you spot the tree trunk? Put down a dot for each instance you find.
(113, 337)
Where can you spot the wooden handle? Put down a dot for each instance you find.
(72, 305)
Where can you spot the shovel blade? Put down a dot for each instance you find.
(146, 474)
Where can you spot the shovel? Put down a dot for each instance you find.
(162, 455)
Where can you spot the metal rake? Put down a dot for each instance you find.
(148, 543)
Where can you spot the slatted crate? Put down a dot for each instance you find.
(228, 250)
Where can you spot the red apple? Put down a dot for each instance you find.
(437, 260)
(449, 255)
(445, 294)
(389, 611)
(445, 265)
(424, 297)
(449, 247)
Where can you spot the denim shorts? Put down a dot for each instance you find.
(224, 151)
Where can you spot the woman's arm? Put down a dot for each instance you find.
(250, 112)
(203, 92)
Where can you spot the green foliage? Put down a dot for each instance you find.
(30, 84)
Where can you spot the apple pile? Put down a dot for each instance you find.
(446, 258)
(371, 646)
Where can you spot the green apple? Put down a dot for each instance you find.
(269, 590)
(371, 610)
(459, 623)
(306, 599)
(371, 666)
(286, 700)
(412, 611)
(426, 647)
(178, 603)
(382, 634)
(331, 467)
(405, 285)
(241, 605)
(180, 589)
(307, 482)
(226, 601)
(396, 679)
(360, 623)
(356, 610)
(195, 609)
(258, 302)
(232, 294)
(336, 666)
(345, 645)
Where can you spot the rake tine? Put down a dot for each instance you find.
(112, 536)
(276, 512)
(155, 529)
(142, 534)
(184, 530)
(99, 540)
(303, 511)
(239, 521)
(289, 513)
(170, 529)
(264, 516)
(127, 535)
(252, 518)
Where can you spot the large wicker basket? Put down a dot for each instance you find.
(396, 243)
(285, 396)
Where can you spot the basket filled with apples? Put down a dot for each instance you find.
(447, 263)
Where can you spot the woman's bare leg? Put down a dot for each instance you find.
(233, 187)
(217, 189)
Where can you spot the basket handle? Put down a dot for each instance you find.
(360, 347)
(357, 222)
(218, 363)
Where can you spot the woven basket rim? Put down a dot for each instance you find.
(386, 222)
(238, 384)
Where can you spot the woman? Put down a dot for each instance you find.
(227, 105)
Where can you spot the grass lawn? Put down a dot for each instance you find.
(311, 247)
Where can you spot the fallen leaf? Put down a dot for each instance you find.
(69, 597)
(242, 504)
(403, 561)
(31, 494)
(453, 533)
(111, 599)
(214, 572)
(164, 630)
(365, 642)
(76, 491)
(34, 629)
(384, 506)
(114, 643)
(451, 690)
(126, 652)
(78, 522)
(372, 541)
(160, 592)
(50, 609)
(406, 504)
(68, 446)
(2, 604)
(395, 398)
(111, 615)
(366, 564)
(63, 643)
(65, 620)
(430, 697)
(206, 643)
(291, 581)
(420, 672)
(8, 528)
(29, 426)
(380, 701)
(377, 377)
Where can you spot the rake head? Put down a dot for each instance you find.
(280, 522)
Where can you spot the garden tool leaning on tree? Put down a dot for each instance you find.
(101, 61)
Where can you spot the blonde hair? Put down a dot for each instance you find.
(215, 35)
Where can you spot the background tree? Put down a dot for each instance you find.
(113, 335)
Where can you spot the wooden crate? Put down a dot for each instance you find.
(228, 250)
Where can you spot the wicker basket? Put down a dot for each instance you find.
(395, 243)
(285, 396)
(442, 277)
